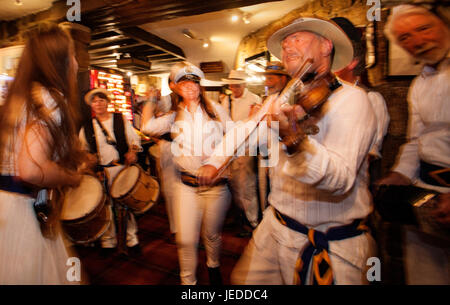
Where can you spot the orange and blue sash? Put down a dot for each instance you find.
(317, 249)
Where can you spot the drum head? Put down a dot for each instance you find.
(82, 200)
(124, 181)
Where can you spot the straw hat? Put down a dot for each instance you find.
(342, 44)
(235, 77)
(88, 97)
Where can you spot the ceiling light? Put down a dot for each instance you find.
(18, 2)
(246, 18)
(129, 73)
(205, 44)
(234, 18)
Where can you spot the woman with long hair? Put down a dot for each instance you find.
(196, 126)
(39, 149)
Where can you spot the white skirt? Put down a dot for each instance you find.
(26, 257)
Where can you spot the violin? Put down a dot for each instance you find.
(311, 96)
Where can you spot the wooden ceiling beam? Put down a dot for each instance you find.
(153, 41)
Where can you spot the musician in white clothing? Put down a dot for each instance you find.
(319, 195)
(112, 143)
(425, 159)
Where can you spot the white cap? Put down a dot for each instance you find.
(185, 70)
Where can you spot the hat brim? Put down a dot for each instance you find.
(229, 81)
(343, 47)
(90, 94)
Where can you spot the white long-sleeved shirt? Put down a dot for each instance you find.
(241, 106)
(189, 158)
(429, 122)
(107, 152)
(325, 184)
(383, 118)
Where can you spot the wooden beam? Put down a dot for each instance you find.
(153, 41)
(155, 13)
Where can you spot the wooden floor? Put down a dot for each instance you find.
(158, 262)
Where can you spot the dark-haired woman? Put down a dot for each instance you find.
(197, 125)
(39, 148)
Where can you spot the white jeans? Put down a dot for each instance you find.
(197, 212)
(270, 256)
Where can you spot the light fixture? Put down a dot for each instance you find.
(188, 34)
(246, 18)
(18, 2)
(234, 18)
(129, 73)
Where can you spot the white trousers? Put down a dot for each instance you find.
(243, 187)
(426, 262)
(199, 213)
(271, 255)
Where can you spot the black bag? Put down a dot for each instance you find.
(47, 214)
(395, 203)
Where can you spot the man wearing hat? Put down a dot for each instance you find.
(112, 142)
(313, 232)
(424, 160)
(276, 78)
(243, 169)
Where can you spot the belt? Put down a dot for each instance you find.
(317, 249)
(191, 180)
(15, 185)
(434, 174)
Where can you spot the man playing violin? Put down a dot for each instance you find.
(313, 232)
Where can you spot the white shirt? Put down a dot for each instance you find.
(107, 152)
(429, 122)
(383, 118)
(325, 184)
(189, 158)
(240, 107)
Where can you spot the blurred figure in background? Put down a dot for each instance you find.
(39, 149)
(426, 155)
(276, 78)
(243, 181)
(353, 74)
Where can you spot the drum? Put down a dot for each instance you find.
(85, 216)
(135, 189)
